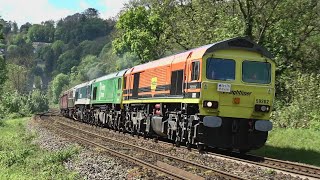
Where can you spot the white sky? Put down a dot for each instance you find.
(37, 11)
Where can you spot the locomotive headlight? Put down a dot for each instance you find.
(211, 104)
(262, 108)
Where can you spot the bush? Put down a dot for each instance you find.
(37, 102)
(15, 105)
(302, 111)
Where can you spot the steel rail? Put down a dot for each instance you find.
(218, 172)
(126, 157)
(121, 155)
(286, 166)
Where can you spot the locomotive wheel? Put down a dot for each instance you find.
(144, 135)
(200, 147)
(177, 143)
(155, 139)
(188, 146)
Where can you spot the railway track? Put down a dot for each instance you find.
(164, 168)
(285, 166)
(276, 164)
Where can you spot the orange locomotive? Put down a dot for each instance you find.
(204, 96)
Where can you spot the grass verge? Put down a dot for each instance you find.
(299, 145)
(21, 159)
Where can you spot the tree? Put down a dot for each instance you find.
(15, 28)
(3, 70)
(20, 52)
(67, 60)
(42, 33)
(91, 13)
(81, 26)
(17, 78)
(57, 85)
(141, 32)
(25, 27)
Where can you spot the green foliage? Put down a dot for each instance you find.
(141, 33)
(3, 72)
(20, 158)
(17, 78)
(302, 110)
(37, 102)
(57, 85)
(20, 51)
(17, 105)
(80, 27)
(67, 60)
(42, 33)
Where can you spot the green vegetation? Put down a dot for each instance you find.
(300, 145)
(15, 105)
(21, 159)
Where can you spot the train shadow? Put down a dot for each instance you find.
(290, 154)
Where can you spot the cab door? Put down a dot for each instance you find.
(193, 80)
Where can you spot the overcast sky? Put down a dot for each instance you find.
(36, 11)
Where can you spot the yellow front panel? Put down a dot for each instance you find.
(243, 96)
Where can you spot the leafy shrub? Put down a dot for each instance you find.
(302, 111)
(2, 124)
(14, 105)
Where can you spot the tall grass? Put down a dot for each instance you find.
(21, 159)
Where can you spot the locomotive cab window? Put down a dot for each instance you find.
(256, 72)
(221, 69)
(195, 73)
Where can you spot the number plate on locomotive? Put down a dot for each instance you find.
(223, 87)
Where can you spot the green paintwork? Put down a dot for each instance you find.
(108, 89)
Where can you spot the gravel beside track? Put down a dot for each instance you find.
(89, 163)
(242, 170)
(149, 156)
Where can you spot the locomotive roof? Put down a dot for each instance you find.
(83, 84)
(109, 76)
(112, 75)
(197, 53)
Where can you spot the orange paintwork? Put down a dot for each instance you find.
(162, 69)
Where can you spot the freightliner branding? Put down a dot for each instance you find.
(239, 93)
